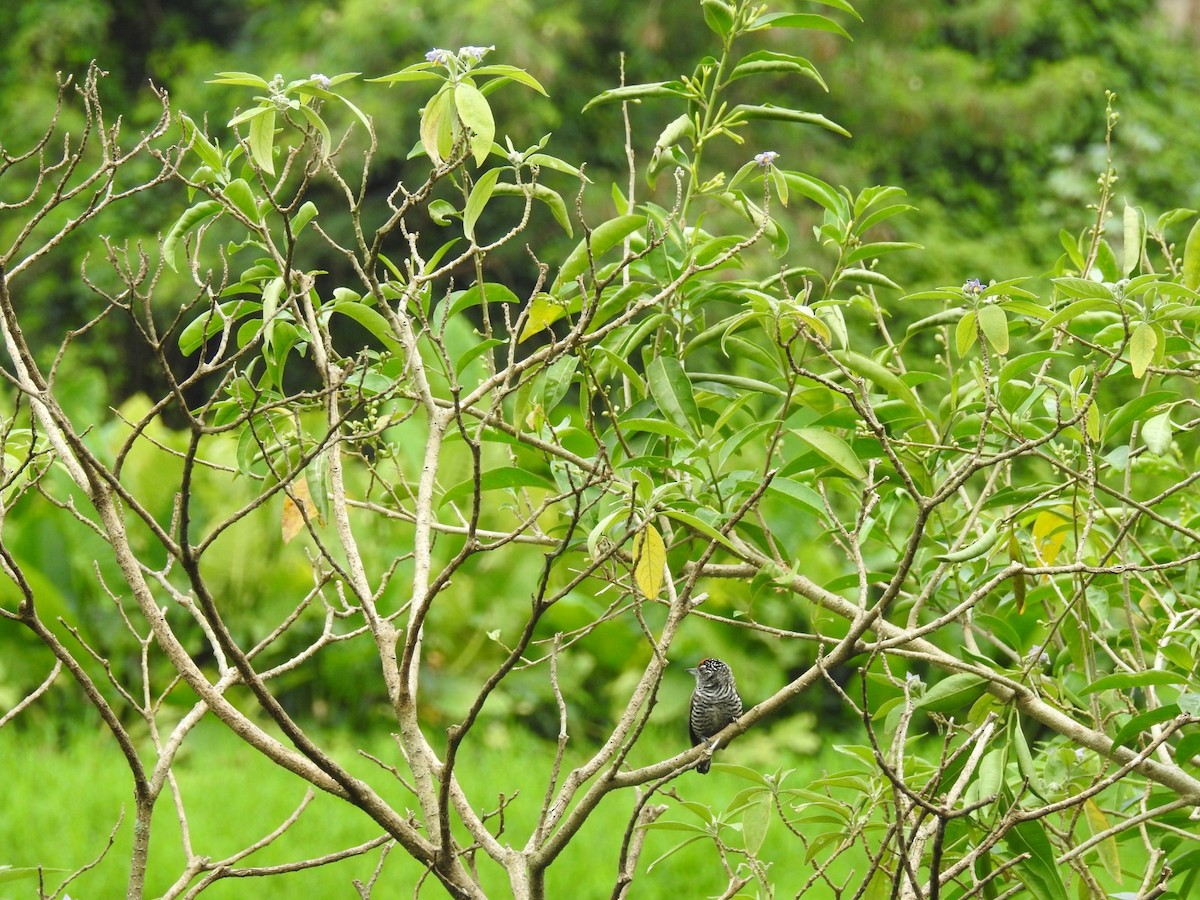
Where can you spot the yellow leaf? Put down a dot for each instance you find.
(292, 521)
(649, 558)
(1049, 532)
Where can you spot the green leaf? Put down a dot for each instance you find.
(975, 548)
(886, 379)
(655, 426)
(995, 327)
(603, 238)
(833, 449)
(1143, 721)
(817, 191)
(1079, 307)
(436, 127)
(370, 319)
(769, 62)
(1141, 348)
(557, 381)
(305, 214)
(756, 819)
(192, 217)
(1124, 680)
(474, 352)
(1191, 259)
(783, 114)
(1157, 433)
(481, 193)
(441, 211)
(718, 16)
(242, 198)
(208, 152)
(1188, 749)
(476, 115)
(869, 276)
(797, 492)
(243, 79)
(1024, 757)
(1070, 286)
(511, 73)
(1134, 235)
(321, 128)
(1098, 823)
(636, 92)
(552, 198)
(953, 694)
(801, 20)
(543, 312)
(870, 251)
(476, 294)
(672, 391)
(695, 522)
(1133, 410)
(208, 323)
(501, 478)
(965, 333)
(262, 139)
(1039, 872)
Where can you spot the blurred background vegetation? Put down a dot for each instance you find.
(990, 114)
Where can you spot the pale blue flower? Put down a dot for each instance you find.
(475, 53)
(441, 57)
(322, 81)
(766, 159)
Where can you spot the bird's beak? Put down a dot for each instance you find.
(691, 671)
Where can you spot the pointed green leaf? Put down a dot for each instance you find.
(240, 195)
(1156, 433)
(995, 327)
(476, 115)
(672, 391)
(604, 237)
(1134, 234)
(801, 20)
(1191, 259)
(965, 333)
(262, 140)
(783, 114)
(833, 449)
(436, 129)
(501, 478)
(698, 524)
(543, 312)
(481, 193)
(1124, 680)
(510, 73)
(192, 217)
(636, 92)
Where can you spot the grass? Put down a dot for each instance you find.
(62, 800)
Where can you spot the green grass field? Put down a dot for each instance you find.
(61, 802)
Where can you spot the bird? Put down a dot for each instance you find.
(715, 703)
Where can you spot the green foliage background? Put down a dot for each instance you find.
(990, 114)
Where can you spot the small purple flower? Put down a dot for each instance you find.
(440, 57)
(766, 159)
(972, 286)
(475, 53)
(322, 81)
